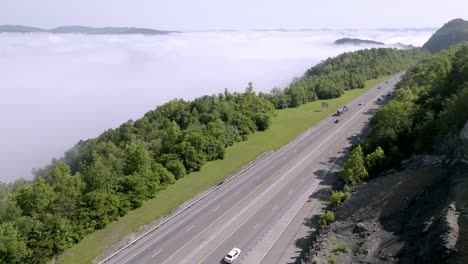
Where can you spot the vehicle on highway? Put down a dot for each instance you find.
(342, 110)
(232, 255)
(337, 121)
(378, 87)
(378, 99)
(360, 103)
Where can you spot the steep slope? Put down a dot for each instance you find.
(455, 31)
(416, 211)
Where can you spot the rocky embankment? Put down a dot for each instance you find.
(416, 214)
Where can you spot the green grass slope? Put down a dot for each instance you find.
(286, 125)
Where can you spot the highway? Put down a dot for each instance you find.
(260, 211)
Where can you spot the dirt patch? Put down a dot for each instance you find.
(416, 215)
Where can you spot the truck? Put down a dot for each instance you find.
(341, 110)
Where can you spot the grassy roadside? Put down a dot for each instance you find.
(286, 125)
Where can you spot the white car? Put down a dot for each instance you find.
(232, 255)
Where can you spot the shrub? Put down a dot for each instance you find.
(342, 247)
(338, 197)
(326, 218)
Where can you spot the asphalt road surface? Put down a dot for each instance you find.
(262, 210)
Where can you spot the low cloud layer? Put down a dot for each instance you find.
(58, 89)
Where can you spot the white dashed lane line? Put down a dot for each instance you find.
(159, 251)
(214, 210)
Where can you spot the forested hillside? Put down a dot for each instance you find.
(417, 209)
(453, 32)
(332, 77)
(430, 106)
(101, 179)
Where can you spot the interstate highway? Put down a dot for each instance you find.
(253, 210)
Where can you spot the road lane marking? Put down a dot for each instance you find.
(287, 183)
(245, 197)
(282, 181)
(271, 177)
(261, 207)
(159, 251)
(190, 228)
(255, 227)
(219, 218)
(216, 209)
(276, 207)
(192, 214)
(235, 194)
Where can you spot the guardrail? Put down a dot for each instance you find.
(248, 166)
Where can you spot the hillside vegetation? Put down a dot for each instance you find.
(453, 32)
(418, 211)
(430, 107)
(101, 179)
(330, 78)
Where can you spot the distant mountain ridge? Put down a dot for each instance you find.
(453, 32)
(84, 30)
(20, 29)
(356, 41)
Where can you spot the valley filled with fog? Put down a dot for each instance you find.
(59, 89)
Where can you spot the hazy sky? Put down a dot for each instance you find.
(234, 14)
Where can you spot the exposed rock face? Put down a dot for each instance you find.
(416, 215)
(464, 133)
(464, 145)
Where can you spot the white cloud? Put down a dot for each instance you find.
(58, 89)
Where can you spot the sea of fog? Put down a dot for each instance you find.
(58, 89)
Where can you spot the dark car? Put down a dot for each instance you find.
(337, 121)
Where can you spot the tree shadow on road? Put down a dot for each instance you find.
(370, 112)
(304, 244)
(328, 177)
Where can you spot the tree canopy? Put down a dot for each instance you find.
(101, 179)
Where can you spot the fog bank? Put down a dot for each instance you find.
(58, 89)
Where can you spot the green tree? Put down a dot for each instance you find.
(36, 198)
(67, 189)
(97, 175)
(375, 161)
(354, 170)
(137, 159)
(13, 248)
(176, 167)
(99, 209)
